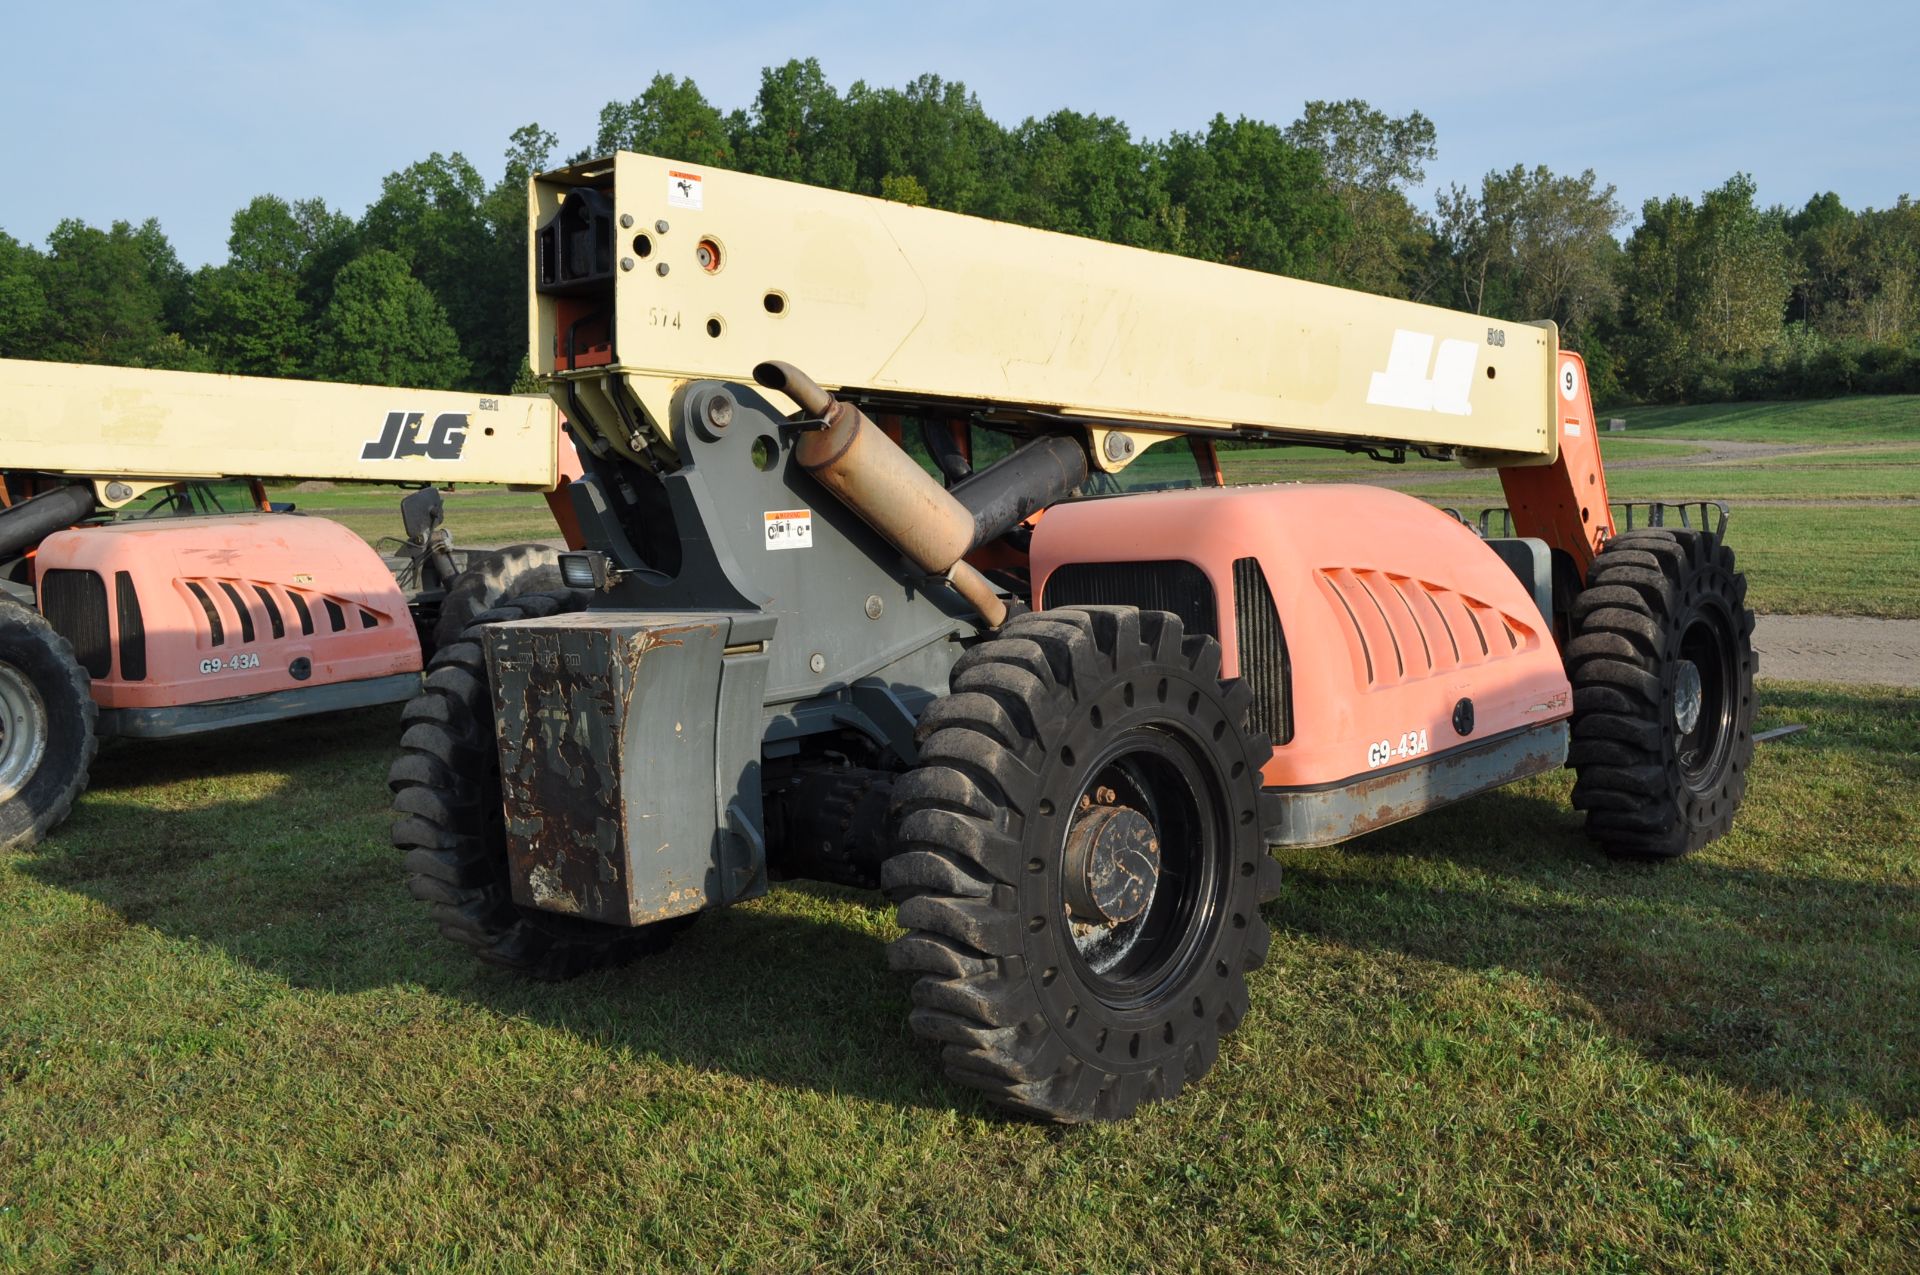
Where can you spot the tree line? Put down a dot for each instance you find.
(1708, 297)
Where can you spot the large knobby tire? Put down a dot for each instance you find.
(1662, 664)
(449, 823)
(489, 579)
(47, 716)
(1067, 971)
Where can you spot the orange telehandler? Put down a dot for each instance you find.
(906, 565)
(149, 590)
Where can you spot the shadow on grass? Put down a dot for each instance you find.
(1794, 980)
(1805, 985)
(302, 884)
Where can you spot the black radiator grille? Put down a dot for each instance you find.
(75, 604)
(1263, 651)
(133, 629)
(1179, 587)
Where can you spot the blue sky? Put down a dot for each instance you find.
(184, 111)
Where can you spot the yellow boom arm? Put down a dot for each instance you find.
(708, 272)
(146, 426)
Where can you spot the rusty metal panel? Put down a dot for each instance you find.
(606, 725)
(1323, 815)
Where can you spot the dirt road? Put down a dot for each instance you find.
(1838, 648)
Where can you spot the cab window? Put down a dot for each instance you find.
(187, 500)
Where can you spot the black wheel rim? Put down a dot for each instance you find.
(1165, 777)
(1703, 751)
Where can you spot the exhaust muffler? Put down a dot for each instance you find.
(871, 475)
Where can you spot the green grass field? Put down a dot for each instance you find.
(1318, 464)
(1889, 417)
(229, 1042)
(1800, 557)
(1863, 561)
(1846, 455)
(476, 514)
(1873, 476)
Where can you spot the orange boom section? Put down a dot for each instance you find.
(1367, 617)
(1565, 503)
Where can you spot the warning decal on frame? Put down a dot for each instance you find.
(683, 189)
(789, 528)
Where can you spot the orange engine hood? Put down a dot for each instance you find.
(187, 610)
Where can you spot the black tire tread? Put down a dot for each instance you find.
(48, 661)
(957, 874)
(1626, 623)
(490, 578)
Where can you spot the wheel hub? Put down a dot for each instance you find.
(1686, 696)
(1112, 865)
(23, 730)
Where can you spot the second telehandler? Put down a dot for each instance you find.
(148, 588)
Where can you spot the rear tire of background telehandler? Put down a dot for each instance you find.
(449, 825)
(1080, 863)
(1661, 659)
(489, 579)
(47, 715)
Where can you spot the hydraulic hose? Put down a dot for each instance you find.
(28, 523)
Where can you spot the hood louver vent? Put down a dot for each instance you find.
(1406, 629)
(244, 612)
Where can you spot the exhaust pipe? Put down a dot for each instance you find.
(870, 475)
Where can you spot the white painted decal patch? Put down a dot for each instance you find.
(789, 528)
(1407, 382)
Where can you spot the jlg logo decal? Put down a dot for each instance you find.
(400, 437)
(1406, 382)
